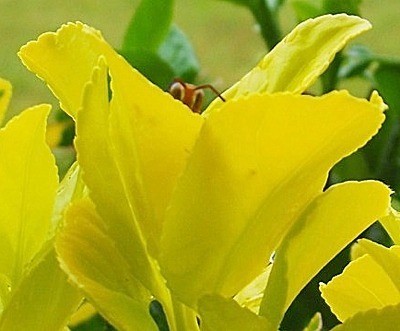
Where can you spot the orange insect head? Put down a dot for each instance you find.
(191, 95)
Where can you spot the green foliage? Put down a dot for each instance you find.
(311, 8)
(160, 51)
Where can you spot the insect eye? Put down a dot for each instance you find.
(177, 91)
(198, 97)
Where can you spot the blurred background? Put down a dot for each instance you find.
(224, 36)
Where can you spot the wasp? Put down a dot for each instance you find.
(191, 95)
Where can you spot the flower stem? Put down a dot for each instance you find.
(268, 22)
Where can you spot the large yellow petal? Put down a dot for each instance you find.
(90, 258)
(102, 176)
(257, 164)
(152, 136)
(220, 314)
(299, 59)
(5, 96)
(28, 177)
(388, 258)
(330, 222)
(131, 152)
(387, 319)
(65, 60)
(44, 300)
(363, 285)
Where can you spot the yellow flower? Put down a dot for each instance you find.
(34, 291)
(202, 201)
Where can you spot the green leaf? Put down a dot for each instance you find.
(387, 318)
(344, 210)
(90, 258)
(305, 9)
(268, 155)
(44, 300)
(363, 285)
(324, 37)
(177, 51)
(151, 65)
(315, 323)
(384, 148)
(220, 314)
(149, 25)
(28, 177)
(355, 60)
(353, 167)
(351, 7)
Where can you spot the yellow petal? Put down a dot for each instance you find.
(386, 319)
(363, 285)
(388, 258)
(300, 58)
(330, 223)
(391, 223)
(251, 295)
(152, 136)
(44, 300)
(90, 258)
(315, 323)
(131, 153)
(28, 177)
(5, 96)
(220, 314)
(65, 60)
(257, 163)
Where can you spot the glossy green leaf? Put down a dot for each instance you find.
(92, 261)
(151, 65)
(315, 323)
(351, 7)
(305, 9)
(5, 96)
(177, 51)
(29, 182)
(44, 300)
(387, 318)
(330, 223)
(309, 49)
(220, 314)
(149, 25)
(355, 61)
(385, 147)
(258, 162)
(363, 285)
